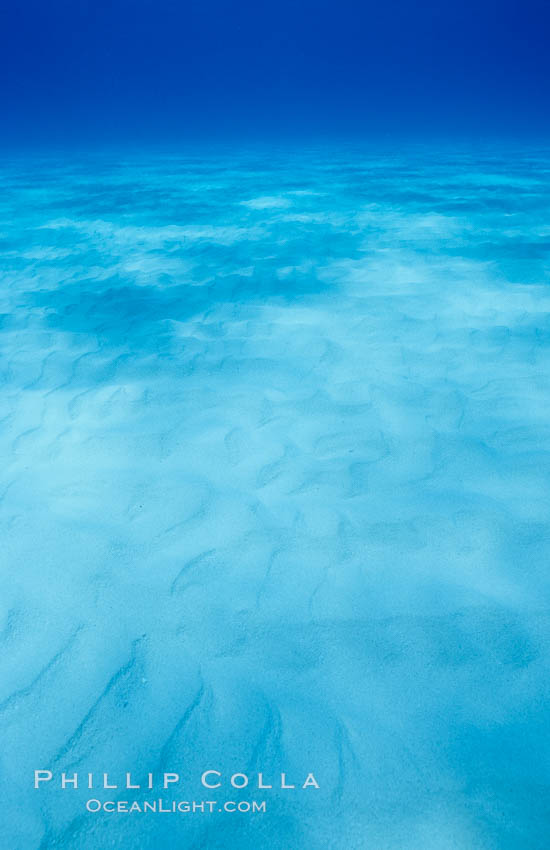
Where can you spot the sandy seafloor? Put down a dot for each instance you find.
(275, 432)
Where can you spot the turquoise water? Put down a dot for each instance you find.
(275, 495)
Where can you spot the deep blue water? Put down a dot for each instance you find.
(275, 493)
(103, 71)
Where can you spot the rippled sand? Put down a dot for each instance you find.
(275, 431)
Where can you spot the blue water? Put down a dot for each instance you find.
(275, 494)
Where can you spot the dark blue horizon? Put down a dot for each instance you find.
(101, 73)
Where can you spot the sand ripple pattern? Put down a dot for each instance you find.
(275, 493)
